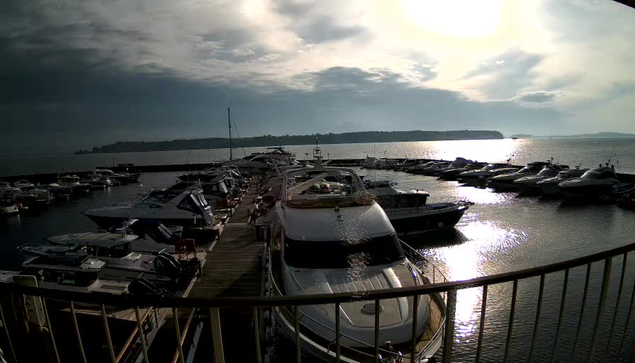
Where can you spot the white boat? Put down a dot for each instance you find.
(329, 236)
(187, 209)
(97, 181)
(601, 181)
(507, 180)
(118, 253)
(9, 210)
(529, 184)
(549, 186)
(76, 274)
(23, 184)
(32, 195)
(73, 182)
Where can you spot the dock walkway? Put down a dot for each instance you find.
(232, 269)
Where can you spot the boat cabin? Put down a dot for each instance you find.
(322, 187)
(72, 274)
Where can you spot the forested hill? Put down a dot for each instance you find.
(268, 140)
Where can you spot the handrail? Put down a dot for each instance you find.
(220, 302)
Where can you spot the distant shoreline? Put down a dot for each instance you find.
(293, 140)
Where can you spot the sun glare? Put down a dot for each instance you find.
(456, 18)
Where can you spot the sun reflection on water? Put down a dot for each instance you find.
(468, 260)
(478, 150)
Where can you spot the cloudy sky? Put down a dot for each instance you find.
(84, 73)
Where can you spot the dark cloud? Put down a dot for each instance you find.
(58, 93)
(324, 30)
(510, 72)
(538, 96)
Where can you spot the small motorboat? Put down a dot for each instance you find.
(453, 173)
(187, 209)
(506, 181)
(9, 210)
(549, 186)
(73, 182)
(595, 183)
(529, 184)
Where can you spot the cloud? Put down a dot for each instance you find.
(537, 96)
(169, 68)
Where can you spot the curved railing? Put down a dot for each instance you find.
(450, 288)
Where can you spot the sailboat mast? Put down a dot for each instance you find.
(229, 123)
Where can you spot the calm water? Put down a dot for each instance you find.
(500, 233)
(587, 152)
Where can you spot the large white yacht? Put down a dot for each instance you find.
(330, 236)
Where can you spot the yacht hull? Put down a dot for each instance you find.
(447, 216)
(109, 221)
(312, 348)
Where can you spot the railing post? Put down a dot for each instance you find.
(584, 294)
(78, 333)
(257, 335)
(510, 328)
(111, 349)
(377, 307)
(541, 290)
(450, 311)
(481, 326)
(217, 335)
(617, 305)
(628, 320)
(298, 347)
(608, 263)
(177, 331)
(337, 332)
(415, 314)
(142, 336)
(563, 300)
(6, 331)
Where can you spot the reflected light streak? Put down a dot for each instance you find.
(466, 261)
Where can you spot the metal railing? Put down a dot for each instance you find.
(258, 305)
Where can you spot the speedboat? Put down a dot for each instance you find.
(330, 236)
(34, 196)
(97, 181)
(410, 213)
(406, 164)
(9, 210)
(453, 173)
(529, 184)
(118, 253)
(506, 181)
(76, 274)
(73, 182)
(482, 173)
(601, 181)
(187, 209)
(215, 191)
(549, 186)
(116, 178)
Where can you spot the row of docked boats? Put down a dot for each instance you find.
(22, 194)
(544, 178)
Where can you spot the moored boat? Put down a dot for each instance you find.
(187, 209)
(330, 236)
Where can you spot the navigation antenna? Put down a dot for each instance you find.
(229, 123)
(317, 155)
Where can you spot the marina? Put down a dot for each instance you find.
(236, 259)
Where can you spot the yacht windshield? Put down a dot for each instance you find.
(598, 174)
(342, 254)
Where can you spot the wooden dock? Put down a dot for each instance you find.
(232, 269)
